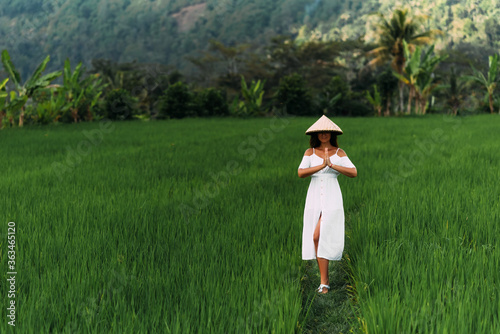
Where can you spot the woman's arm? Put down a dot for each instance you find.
(347, 171)
(305, 172)
(350, 172)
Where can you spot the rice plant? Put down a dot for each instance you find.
(194, 225)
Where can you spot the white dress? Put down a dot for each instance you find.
(324, 197)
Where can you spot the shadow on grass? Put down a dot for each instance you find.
(328, 313)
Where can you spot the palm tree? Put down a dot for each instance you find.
(401, 27)
(489, 83)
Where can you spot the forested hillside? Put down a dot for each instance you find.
(160, 31)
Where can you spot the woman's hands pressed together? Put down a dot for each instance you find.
(305, 172)
(326, 159)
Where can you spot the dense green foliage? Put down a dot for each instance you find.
(338, 71)
(120, 230)
(177, 102)
(162, 32)
(293, 95)
(147, 31)
(212, 102)
(119, 105)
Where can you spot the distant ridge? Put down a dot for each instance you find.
(159, 31)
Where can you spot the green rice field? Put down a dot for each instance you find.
(194, 226)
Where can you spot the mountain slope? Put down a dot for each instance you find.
(165, 32)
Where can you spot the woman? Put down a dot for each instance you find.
(323, 231)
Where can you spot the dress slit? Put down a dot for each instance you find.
(317, 221)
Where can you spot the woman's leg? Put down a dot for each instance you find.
(322, 263)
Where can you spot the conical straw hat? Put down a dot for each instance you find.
(324, 124)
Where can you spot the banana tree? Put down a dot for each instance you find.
(424, 91)
(426, 82)
(81, 94)
(15, 104)
(94, 88)
(3, 99)
(9, 108)
(94, 98)
(72, 88)
(418, 75)
(3, 93)
(253, 95)
(490, 83)
(411, 71)
(375, 100)
(35, 82)
(52, 109)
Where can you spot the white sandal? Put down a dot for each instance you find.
(320, 289)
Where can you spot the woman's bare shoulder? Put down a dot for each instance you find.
(341, 153)
(308, 152)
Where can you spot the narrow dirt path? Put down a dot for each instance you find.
(329, 313)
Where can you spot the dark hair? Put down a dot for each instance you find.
(315, 142)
